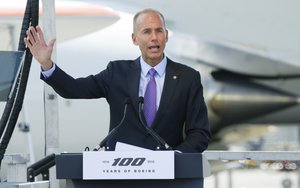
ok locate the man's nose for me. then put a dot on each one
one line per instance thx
(154, 36)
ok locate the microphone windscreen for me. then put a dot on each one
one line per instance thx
(141, 99)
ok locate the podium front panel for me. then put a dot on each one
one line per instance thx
(188, 173)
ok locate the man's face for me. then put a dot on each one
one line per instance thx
(151, 37)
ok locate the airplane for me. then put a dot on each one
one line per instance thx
(246, 80)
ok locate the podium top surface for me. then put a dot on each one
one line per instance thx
(187, 165)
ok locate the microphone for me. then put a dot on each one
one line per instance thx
(114, 130)
(156, 137)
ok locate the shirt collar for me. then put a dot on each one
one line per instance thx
(160, 67)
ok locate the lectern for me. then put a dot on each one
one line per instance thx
(190, 170)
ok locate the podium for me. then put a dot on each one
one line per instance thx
(190, 170)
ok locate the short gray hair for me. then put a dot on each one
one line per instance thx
(148, 10)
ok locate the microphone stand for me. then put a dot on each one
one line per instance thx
(156, 137)
(114, 130)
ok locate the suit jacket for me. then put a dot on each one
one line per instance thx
(181, 119)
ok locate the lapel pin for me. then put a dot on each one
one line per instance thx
(174, 77)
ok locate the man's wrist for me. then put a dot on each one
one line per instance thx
(49, 72)
(47, 66)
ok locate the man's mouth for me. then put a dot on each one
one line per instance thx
(154, 47)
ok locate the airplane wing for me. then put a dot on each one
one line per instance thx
(73, 19)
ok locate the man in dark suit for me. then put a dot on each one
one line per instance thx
(174, 108)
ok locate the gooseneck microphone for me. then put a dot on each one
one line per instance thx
(157, 138)
(114, 130)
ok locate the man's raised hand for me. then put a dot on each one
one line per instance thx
(38, 47)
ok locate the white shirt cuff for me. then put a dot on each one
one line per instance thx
(49, 72)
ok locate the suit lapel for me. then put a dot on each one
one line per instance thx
(170, 84)
(133, 80)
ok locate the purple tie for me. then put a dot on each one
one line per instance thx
(150, 99)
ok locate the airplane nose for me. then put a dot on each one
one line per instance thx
(239, 100)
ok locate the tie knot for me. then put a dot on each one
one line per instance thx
(152, 72)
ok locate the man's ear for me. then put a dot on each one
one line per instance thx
(133, 37)
(167, 35)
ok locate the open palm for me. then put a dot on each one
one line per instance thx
(38, 47)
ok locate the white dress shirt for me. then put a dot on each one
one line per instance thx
(159, 78)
